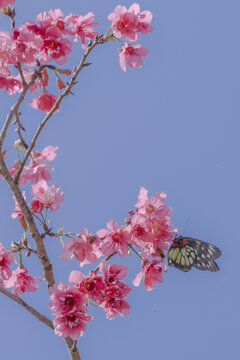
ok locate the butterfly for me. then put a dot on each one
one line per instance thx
(186, 252)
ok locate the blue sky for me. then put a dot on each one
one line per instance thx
(171, 126)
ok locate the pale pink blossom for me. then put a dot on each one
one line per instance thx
(113, 272)
(82, 27)
(139, 230)
(80, 249)
(37, 169)
(44, 102)
(71, 324)
(50, 196)
(5, 3)
(115, 239)
(54, 18)
(21, 282)
(26, 45)
(133, 55)
(127, 23)
(113, 307)
(6, 259)
(151, 272)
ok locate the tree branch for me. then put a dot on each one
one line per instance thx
(26, 306)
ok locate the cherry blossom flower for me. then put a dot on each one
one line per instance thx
(69, 309)
(139, 230)
(80, 249)
(66, 299)
(44, 102)
(82, 27)
(116, 305)
(115, 240)
(18, 213)
(50, 196)
(5, 3)
(113, 273)
(92, 286)
(21, 282)
(38, 169)
(127, 23)
(152, 273)
(26, 45)
(133, 55)
(71, 324)
(6, 259)
(37, 206)
(54, 18)
(85, 248)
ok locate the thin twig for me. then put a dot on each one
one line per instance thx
(29, 308)
(106, 259)
(18, 130)
(81, 65)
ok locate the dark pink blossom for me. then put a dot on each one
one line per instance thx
(44, 102)
(37, 206)
(91, 286)
(21, 282)
(50, 196)
(151, 272)
(133, 55)
(6, 259)
(66, 299)
(71, 324)
(115, 239)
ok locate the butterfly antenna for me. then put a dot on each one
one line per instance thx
(185, 226)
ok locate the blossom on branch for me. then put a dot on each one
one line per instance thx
(4, 3)
(21, 282)
(115, 239)
(133, 55)
(44, 102)
(6, 259)
(152, 273)
(49, 196)
(126, 23)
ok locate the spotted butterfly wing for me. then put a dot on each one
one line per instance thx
(185, 253)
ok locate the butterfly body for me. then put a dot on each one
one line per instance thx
(186, 252)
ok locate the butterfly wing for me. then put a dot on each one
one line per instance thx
(181, 257)
(204, 250)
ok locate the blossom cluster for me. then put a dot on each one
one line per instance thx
(128, 23)
(148, 232)
(37, 172)
(47, 40)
